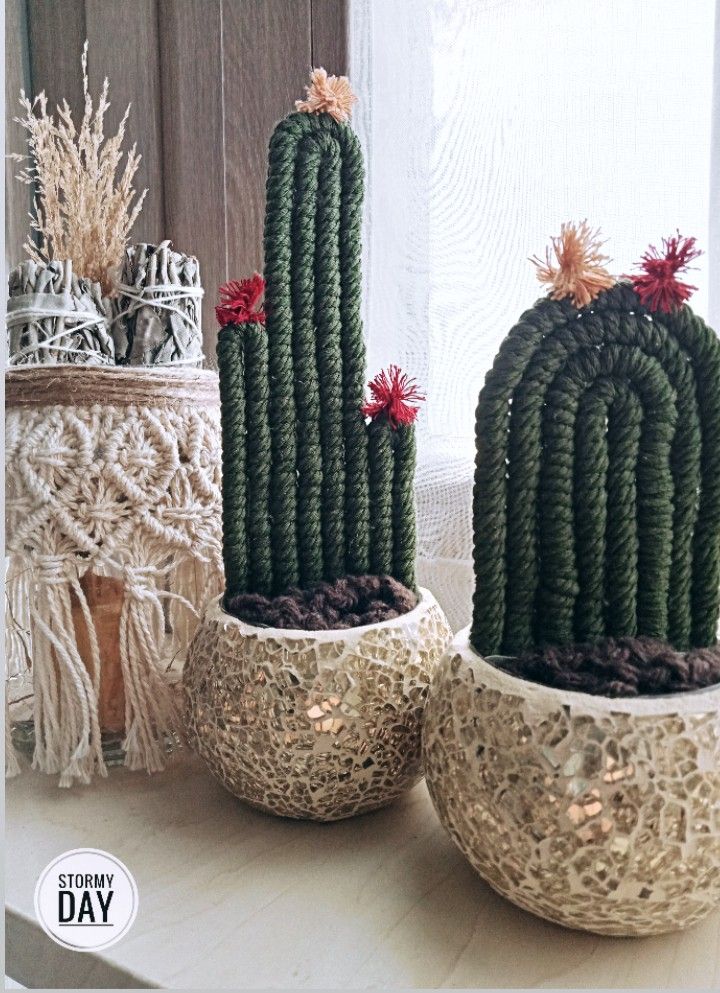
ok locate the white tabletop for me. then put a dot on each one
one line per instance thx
(231, 898)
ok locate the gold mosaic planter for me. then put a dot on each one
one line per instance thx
(600, 814)
(313, 724)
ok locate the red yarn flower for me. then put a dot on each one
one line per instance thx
(658, 287)
(240, 301)
(393, 394)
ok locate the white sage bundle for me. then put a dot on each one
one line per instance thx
(158, 308)
(56, 318)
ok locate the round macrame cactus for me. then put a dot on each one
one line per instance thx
(605, 518)
(596, 518)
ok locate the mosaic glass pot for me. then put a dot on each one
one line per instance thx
(600, 814)
(596, 516)
(313, 724)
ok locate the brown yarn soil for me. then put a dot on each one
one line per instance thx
(617, 667)
(348, 602)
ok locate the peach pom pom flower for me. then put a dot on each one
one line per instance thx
(328, 95)
(578, 271)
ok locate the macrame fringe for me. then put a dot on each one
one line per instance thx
(17, 619)
(65, 696)
(190, 581)
(12, 766)
(17, 650)
(157, 620)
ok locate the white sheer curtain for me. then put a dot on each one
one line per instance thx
(486, 124)
(714, 233)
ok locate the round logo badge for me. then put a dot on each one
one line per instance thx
(86, 899)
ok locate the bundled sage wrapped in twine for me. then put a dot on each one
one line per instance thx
(157, 311)
(54, 317)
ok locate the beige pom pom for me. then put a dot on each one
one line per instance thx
(579, 272)
(328, 95)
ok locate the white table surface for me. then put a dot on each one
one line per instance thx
(231, 898)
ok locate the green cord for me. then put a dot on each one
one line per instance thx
(231, 362)
(622, 448)
(329, 356)
(381, 497)
(591, 508)
(307, 386)
(597, 486)
(280, 328)
(258, 448)
(403, 506)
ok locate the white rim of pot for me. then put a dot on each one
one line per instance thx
(214, 612)
(690, 701)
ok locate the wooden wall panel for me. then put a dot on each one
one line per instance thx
(266, 49)
(329, 40)
(124, 46)
(193, 141)
(56, 31)
(208, 80)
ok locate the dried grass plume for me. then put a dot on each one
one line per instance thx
(328, 95)
(82, 210)
(578, 271)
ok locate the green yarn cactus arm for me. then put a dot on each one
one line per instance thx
(311, 490)
(242, 351)
(596, 505)
(231, 366)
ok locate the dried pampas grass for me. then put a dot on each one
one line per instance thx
(82, 210)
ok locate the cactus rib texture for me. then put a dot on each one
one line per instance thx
(597, 488)
(231, 366)
(311, 492)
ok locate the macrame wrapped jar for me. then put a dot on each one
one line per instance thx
(113, 537)
(596, 513)
(307, 723)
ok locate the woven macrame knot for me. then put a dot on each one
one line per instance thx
(140, 581)
(54, 570)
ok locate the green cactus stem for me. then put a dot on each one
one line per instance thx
(231, 365)
(381, 498)
(403, 506)
(257, 461)
(311, 490)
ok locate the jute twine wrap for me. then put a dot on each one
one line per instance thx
(597, 487)
(115, 472)
(311, 491)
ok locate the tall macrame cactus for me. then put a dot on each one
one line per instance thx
(597, 488)
(311, 491)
